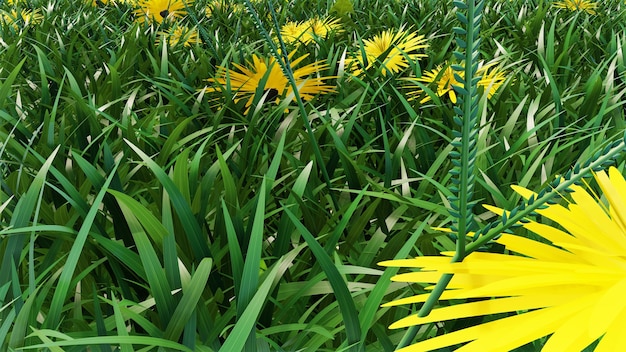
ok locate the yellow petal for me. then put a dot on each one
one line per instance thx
(614, 339)
(510, 333)
(452, 96)
(535, 249)
(495, 335)
(549, 233)
(491, 306)
(571, 336)
(418, 262)
(608, 308)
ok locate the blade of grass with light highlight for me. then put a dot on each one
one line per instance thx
(342, 293)
(196, 237)
(20, 218)
(250, 275)
(191, 297)
(244, 327)
(60, 294)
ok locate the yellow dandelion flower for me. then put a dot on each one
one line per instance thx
(306, 32)
(292, 32)
(491, 79)
(22, 18)
(569, 286)
(157, 11)
(180, 34)
(390, 51)
(444, 79)
(578, 5)
(322, 27)
(224, 6)
(98, 3)
(245, 80)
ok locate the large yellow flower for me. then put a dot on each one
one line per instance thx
(569, 285)
(245, 80)
(578, 5)
(491, 79)
(390, 51)
(157, 11)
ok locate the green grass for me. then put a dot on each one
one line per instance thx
(139, 213)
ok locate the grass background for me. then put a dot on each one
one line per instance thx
(140, 214)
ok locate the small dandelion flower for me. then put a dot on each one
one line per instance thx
(568, 286)
(308, 31)
(322, 27)
(390, 51)
(100, 3)
(224, 6)
(157, 11)
(292, 32)
(22, 18)
(491, 79)
(578, 5)
(444, 77)
(180, 34)
(265, 73)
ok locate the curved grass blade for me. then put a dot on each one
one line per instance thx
(237, 338)
(21, 217)
(196, 237)
(63, 286)
(187, 305)
(344, 298)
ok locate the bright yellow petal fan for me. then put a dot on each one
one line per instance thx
(569, 287)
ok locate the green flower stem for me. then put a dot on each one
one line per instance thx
(466, 119)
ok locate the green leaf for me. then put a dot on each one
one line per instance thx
(192, 229)
(63, 286)
(237, 338)
(342, 294)
(191, 296)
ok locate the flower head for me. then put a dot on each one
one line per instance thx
(157, 11)
(224, 6)
(180, 34)
(306, 32)
(98, 3)
(569, 285)
(578, 5)
(266, 74)
(491, 79)
(22, 18)
(390, 51)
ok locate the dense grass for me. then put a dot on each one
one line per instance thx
(138, 211)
